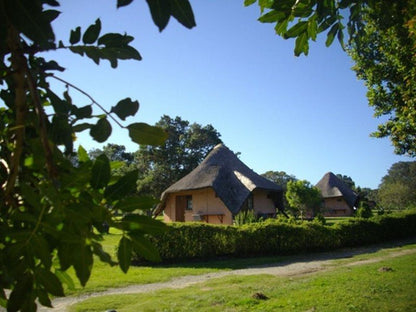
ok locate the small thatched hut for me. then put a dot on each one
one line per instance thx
(218, 189)
(339, 199)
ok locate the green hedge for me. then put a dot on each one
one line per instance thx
(183, 241)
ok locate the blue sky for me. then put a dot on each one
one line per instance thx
(303, 115)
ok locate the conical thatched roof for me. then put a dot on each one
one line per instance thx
(332, 186)
(230, 178)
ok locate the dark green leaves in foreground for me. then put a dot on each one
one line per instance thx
(123, 187)
(124, 253)
(101, 172)
(162, 10)
(304, 20)
(111, 46)
(101, 130)
(143, 133)
(125, 108)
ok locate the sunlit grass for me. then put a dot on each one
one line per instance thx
(348, 288)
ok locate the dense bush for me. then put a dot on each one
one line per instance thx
(273, 237)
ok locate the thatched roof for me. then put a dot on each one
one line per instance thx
(332, 186)
(230, 178)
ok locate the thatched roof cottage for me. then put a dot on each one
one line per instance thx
(339, 199)
(218, 189)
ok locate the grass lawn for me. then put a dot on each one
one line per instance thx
(348, 288)
(104, 276)
(335, 220)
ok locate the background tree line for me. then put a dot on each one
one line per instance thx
(187, 144)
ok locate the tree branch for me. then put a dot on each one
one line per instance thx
(17, 64)
(90, 97)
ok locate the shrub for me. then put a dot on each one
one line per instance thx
(184, 241)
(364, 211)
(245, 217)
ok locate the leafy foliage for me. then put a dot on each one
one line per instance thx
(303, 197)
(397, 188)
(53, 204)
(385, 57)
(304, 20)
(281, 178)
(277, 237)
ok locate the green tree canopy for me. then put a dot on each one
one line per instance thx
(385, 56)
(279, 177)
(397, 188)
(186, 146)
(303, 198)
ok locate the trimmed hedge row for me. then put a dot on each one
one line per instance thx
(183, 241)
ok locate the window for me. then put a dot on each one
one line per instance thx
(188, 202)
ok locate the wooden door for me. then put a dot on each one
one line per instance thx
(180, 208)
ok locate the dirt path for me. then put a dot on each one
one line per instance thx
(295, 267)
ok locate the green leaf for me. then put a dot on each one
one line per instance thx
(123, 187)
(301, 9)
(51, 15)
(145, 248)
(296, 30)
(82, 112)
(272, 17)
(340, 36)
(52, 65)
(65, 278)
(281, 27)
(129, 204)
(44, 298)
(182, 11)
(101, 131)
(49, 280)
(331, 35)
(65, 255)
(124, 254)
(143, 224)
(326, 23)
(21, 292)
(125, 108)
(30, 196)
(302, 44)
(160, 10)
(114, 40)
(92, 32)
(52, 3)
(82, 127)
(41, 249)
(143, 133)
(61, 132)
(28, 18)
(82, 154)
(82, 257)
(312, 27)
(112, 54)
(121, 3)
(249, 2)
(100, 172)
